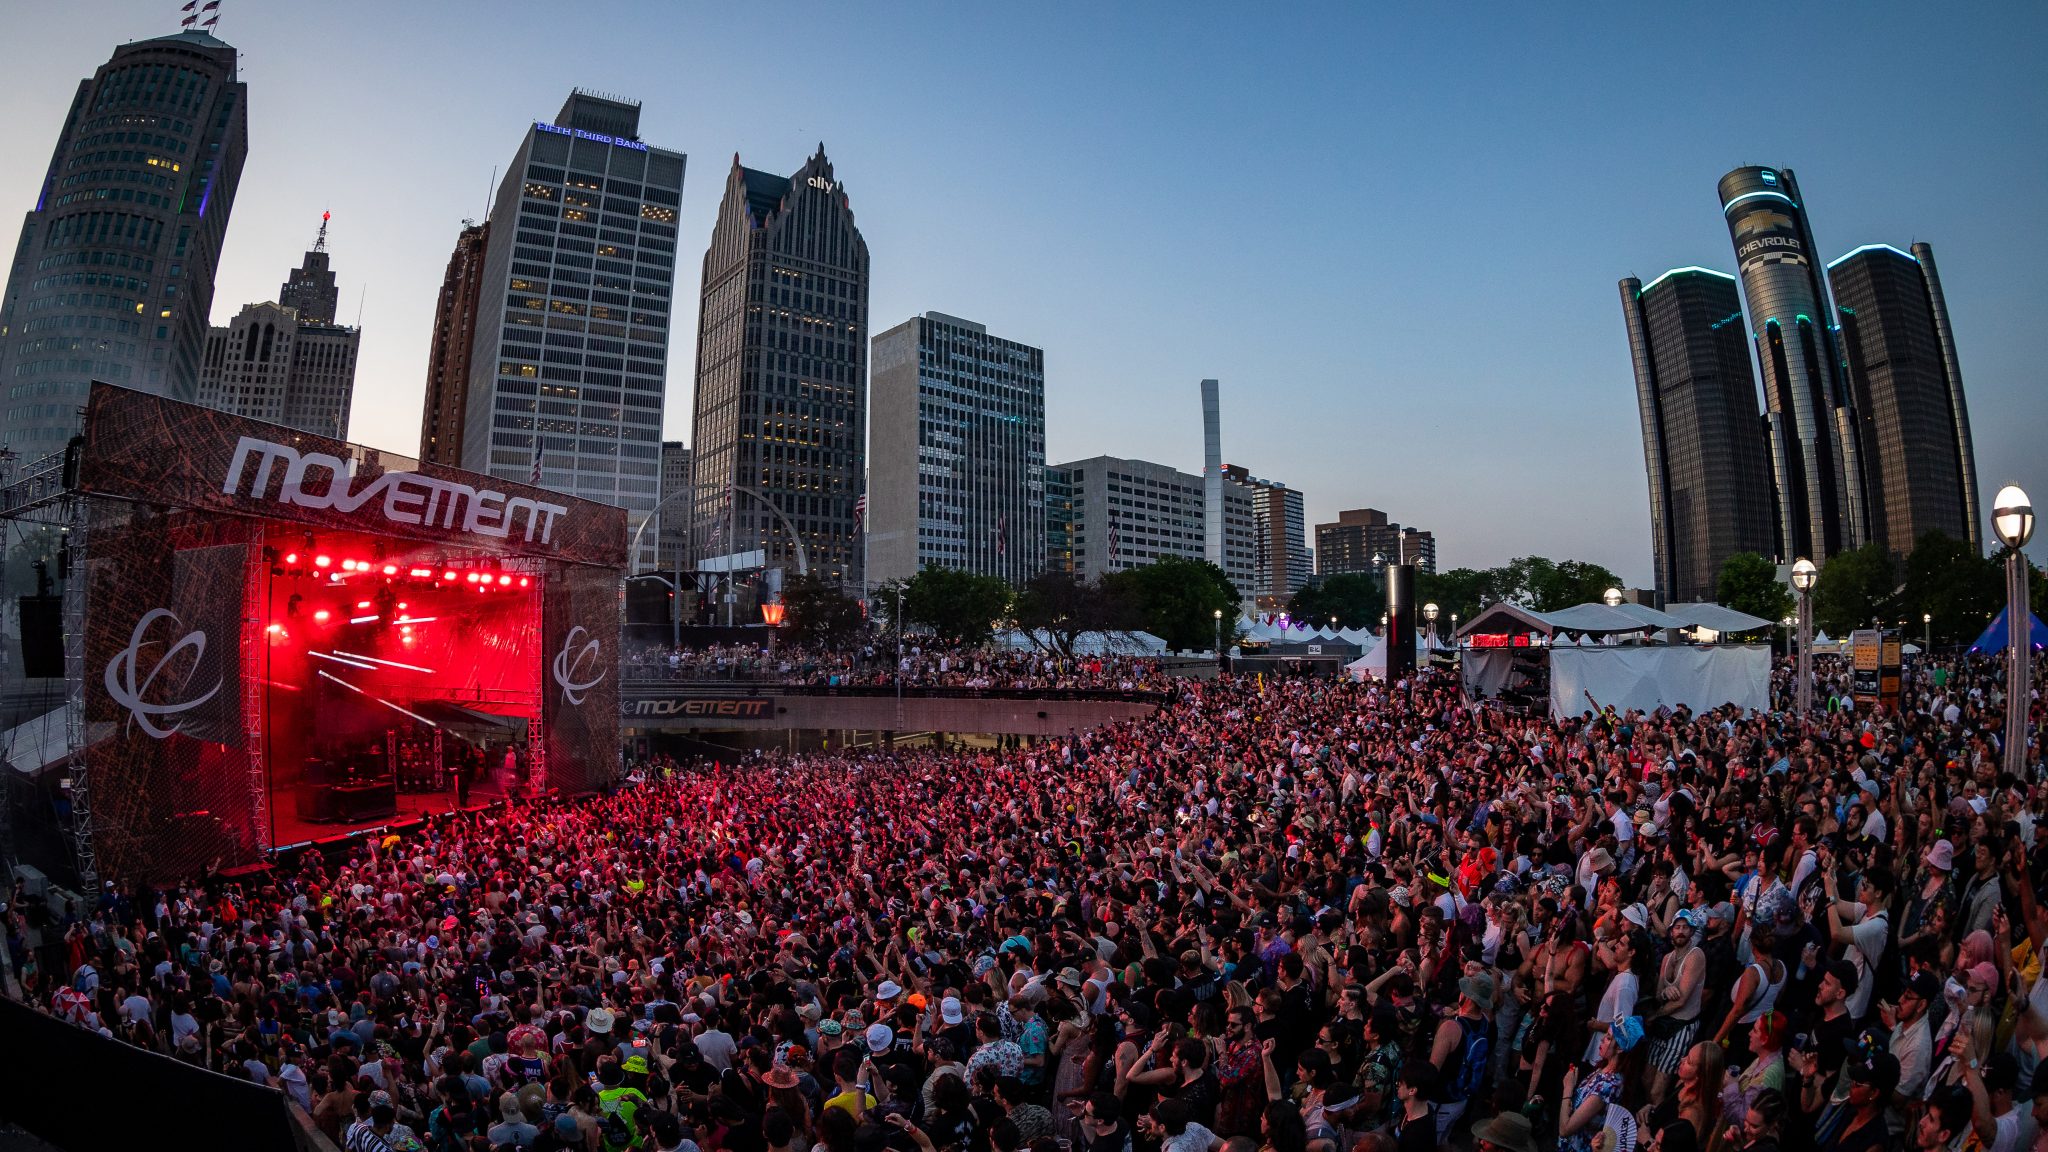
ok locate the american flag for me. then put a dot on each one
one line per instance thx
(1002, 534)
(539, 447)
(860, 512)
(1112, 537)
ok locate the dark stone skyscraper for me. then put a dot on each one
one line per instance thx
(1703, 442)
(448, 354)
(1920, 473)
(309, 289)
(1814, 437)
(113, 276)
(781, 406)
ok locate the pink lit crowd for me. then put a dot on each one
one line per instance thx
(1274, 916)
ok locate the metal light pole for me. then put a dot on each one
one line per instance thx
(1219, 633)
(1926, 633)
(2012, 519)
(1804, 576)
(1429, 613)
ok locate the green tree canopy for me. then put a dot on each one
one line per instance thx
(1749, 583)
(1856, 590)
(1176, 599)
(959, 607)
(1946, 579)
(1063, 607)
(1461, 592)
(820, 615)
(1354, 598)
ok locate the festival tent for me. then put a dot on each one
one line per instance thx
(34, 745)
(1371, 666)
(1087, 643)
(1659, 676)
(1716, 618)
(1996, 638)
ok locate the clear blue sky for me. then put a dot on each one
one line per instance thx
(1392, 231)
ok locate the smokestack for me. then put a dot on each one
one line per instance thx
(1212, 475)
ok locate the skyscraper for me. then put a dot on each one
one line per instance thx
(1129, 513)
(674, 517)
(1703, 438)
(571, 344)
(781, 406)
(956, 421)
(1059, 521)
(1814, 437)
(309, 289)
(113, 275)
(453, 340)
(1280, 558)
(1919, 471)
(270, 364)
(1351, 542)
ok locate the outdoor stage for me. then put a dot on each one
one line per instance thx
(288, 639)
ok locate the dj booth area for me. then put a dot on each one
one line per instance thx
(282, 639)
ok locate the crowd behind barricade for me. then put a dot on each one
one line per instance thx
(923, 664)
(1276, 916)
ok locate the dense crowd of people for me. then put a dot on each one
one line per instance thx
(922, 663)
(1275, 916)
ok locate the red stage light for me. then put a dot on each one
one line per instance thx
(291, 557)
(523, 581)
(362, 603)
(275, 629)
(322, 561)
(473, 577)
(505, 580)
(391, 569)
(447, 575)
(426, 573)
(322, 616)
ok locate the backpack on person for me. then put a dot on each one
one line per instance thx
(1476, 1068)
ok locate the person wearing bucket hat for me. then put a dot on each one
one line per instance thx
(1590, 1094)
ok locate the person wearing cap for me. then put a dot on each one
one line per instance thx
(1833, 1034)
(512, 1128)
(1856, 1122)
(1462, 1051)
(1912, 1035)
(1674, 1017)
(1862, 926)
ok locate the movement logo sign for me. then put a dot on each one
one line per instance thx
(572, 662)
(409, 497)
(750, 709)
(131, 687)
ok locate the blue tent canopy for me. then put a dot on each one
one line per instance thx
(1994, 637)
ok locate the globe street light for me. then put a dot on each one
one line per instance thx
(1926, 633)
(2012, 519)
(1612, 596)
(1804, 577)
(1429, 612)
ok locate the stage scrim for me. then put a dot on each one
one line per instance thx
(289, 637)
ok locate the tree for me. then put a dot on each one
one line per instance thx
(1177, 599)
(1461, 592)
(959, 607)
(1749, 583)
(820, 615)
(1547, 585)
(1062, 607)
(1354, 598)
(1856, 590)
(1946, 579)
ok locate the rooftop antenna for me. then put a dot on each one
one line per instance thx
(360, 297)
(320, 241)
(488, 190)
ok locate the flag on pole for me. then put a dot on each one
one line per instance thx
(539, 446)
(209, 6)
(860, 513)
(188, 21)
(189, 6)
(1002, 534)
(1112, 537)
(210, 21)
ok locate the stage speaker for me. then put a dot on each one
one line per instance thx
(42, 636)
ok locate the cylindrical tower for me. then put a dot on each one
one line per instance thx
(1809, 414)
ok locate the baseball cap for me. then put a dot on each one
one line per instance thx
(1924, 985)
(1880, 1070)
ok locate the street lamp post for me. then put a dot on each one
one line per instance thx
(1219, 632)
(2012, 519)
(1612, 597)
(1429, 613)
(1804, 576)
(1926, 634)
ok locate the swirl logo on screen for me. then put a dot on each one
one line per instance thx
(573, 661)
(130, 692)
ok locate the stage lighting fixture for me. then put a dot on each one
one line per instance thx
(504, 580)
(391, 569)
(323, 561)
(275, 629)
(362, 603)
(291, 558)
(322, 616)
(422, 573)
(523, 581)
(448, 576)
(370, 619)
(474, 577)
(348, 565)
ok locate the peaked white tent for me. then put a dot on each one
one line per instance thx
(1371, 666)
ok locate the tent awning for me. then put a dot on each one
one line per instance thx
(1716, 617)
(36, 744)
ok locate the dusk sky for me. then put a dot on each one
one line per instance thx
(1392, 231)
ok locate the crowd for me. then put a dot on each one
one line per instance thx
(1275, 916)
(922, 664)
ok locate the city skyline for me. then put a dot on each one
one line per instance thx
(1441, 309)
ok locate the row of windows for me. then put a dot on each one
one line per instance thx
(84, 300)
(120, 195)
(123, 135)
(97, 369)
(129, 260)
